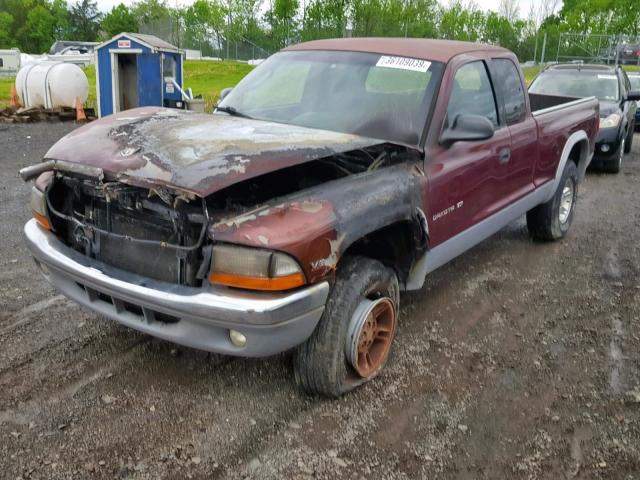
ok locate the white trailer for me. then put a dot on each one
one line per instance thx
(9, 62)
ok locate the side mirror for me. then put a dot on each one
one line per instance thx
(633, 96)
(467, 128)
(224, 92)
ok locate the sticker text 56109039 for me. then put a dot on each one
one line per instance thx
(403, 63)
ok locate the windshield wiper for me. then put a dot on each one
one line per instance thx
(232, 111)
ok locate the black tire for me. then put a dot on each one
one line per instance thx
(629, 143)
(544, 221)
(615, 164)
(320, 364)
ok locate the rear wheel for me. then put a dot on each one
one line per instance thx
(552, 220)
(352, 341)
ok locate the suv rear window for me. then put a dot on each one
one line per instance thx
(602, 84)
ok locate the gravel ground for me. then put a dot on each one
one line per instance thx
(517, 360)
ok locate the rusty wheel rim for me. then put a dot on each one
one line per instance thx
(374, 327)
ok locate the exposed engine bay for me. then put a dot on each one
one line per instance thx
(161, 233)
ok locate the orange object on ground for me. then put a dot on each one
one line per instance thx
(80, 116)
(15, 101)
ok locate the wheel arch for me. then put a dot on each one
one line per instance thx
(397, 245)
(576, 149)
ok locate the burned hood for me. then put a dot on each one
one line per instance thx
(199, 153)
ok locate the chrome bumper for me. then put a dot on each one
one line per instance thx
(195, 317)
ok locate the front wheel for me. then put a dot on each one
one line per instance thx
(352, 341)
(552, 220)
(615, 164)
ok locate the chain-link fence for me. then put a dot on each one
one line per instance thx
(594, 48)
(209, 44)
(555, 46)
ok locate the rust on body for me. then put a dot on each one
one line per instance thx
(319, 224)
(198, 153)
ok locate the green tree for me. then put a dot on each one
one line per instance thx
(462, 22)
(60, 11)
(6, 22)
(84, 19)
(325, 19)
(119, 19)
(37, 33)
(420, 18)
(149, 11)
(204, 22)
(282, 18)
(499, 30)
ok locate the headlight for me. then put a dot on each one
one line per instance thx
(39, 208)
(611, 121)
(254, 268)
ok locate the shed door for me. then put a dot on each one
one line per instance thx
(149, 80)
(126, 81)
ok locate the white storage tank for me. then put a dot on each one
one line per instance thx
(51, 85)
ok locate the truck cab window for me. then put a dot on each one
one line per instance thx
(472, 94)
(514, 103)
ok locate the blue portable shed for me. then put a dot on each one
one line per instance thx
(136, 70)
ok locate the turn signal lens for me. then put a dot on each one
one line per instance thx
(39, 209)
(42, 220)
(257, 283)
(254, 269)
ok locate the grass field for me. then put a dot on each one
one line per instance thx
(205, 78)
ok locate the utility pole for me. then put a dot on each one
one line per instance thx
(406, 19)
(544, 47)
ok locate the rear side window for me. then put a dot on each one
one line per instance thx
(472, 94)
(626, 86)
(509, 78)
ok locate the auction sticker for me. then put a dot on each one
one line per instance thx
(404, 63)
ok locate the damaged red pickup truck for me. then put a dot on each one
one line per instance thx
(335, 175)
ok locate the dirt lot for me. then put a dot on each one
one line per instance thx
(517, 360)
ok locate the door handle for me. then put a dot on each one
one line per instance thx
(505, 155)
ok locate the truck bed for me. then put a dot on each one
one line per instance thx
(541, 103)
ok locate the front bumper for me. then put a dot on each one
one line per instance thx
(611, 137)
(195, 317)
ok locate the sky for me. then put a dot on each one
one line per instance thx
(525, 5)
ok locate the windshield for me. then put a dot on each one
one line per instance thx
(635, 82)
(577, 83)
(366, 94)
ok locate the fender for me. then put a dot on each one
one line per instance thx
(317, 225)
(583, 162)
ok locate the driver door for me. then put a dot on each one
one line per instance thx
(465, 177)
